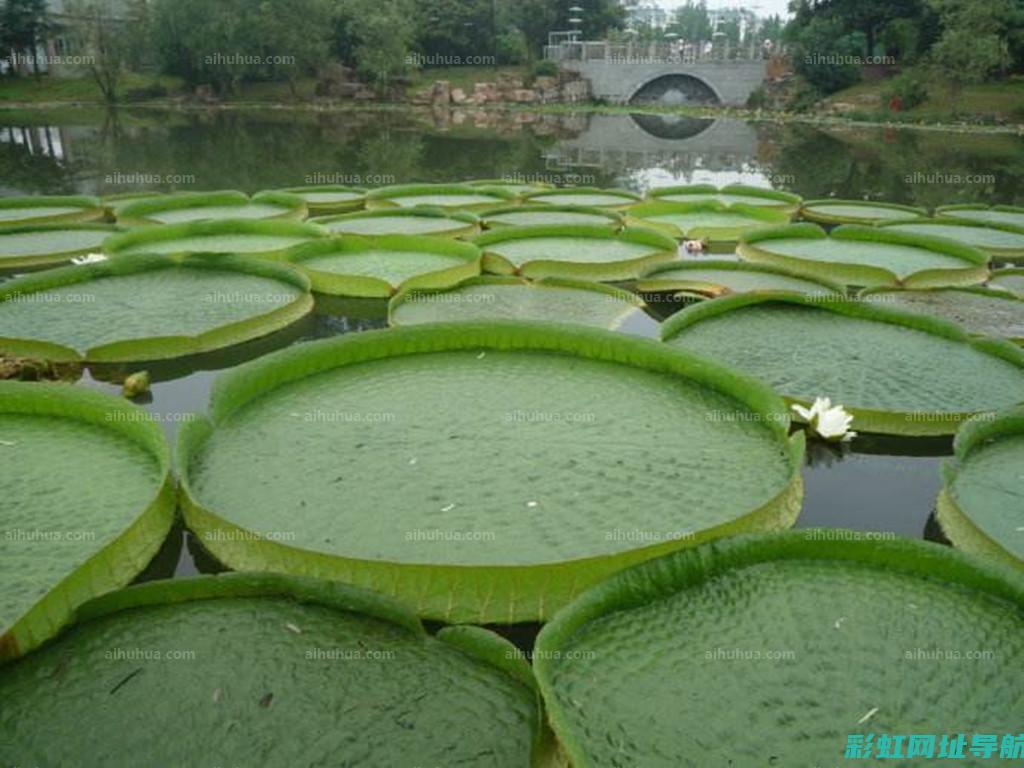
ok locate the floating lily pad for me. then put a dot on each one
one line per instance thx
(1000, 241)
(450, 196)
(587, 197)
(325, 200)
(866, 256)
(213, 206)
(549, 215)
(1011, 280)
(44, 244)
(856, 212)
(514, 188)
(23, 211)
(87, 502)
(978, 310)
(585, 252)
(396, 221)
(996, 214)
(729, 195)
(981, 508)
(490, 297)
(117, 202)
(718, 278)
(146, 307)
(378, 267)
(896, 372)
(255, 238)
(727, 649)
(269, 670)
(719, 224)
(513, 460)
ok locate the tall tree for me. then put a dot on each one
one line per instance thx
(24, 25)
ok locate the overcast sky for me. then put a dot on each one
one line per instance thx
(761, 7)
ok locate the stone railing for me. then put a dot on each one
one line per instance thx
(582, 52)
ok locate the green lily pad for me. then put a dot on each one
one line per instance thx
(1000, 241)
(866, 256)
(490, 297)
(326, 200)
(514, 188)
(269, 670)
(24, 211)
(44, 244)
(718, 278)
(728, 195)
(380, 266)
(449, 196)
(401, 221)
(549, 215)
(87, 502)
(978, 310)
(775, 649)
(213, 206)
(305, 448)
(719, 224)
(587, 197)
(980, 507)
(136, 308)
(1011, 280)
(115, 203)
(255, 238)
(856, 212)
(896, 372)
(584, 252)
(996, 214)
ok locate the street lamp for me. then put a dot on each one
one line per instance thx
(575, 20)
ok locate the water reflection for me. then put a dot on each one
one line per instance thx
(115, 152)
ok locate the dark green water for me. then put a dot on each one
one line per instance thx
(887, 485)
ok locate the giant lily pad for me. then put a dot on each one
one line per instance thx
(513, 461)
(1002, 242)
(378, 267)
(402, 221)
(450, 196)
(213, 206)
(490, 297)
(772, 650)
(718, 224)
(325, 200)
(981, 508)
(22, 211)
(729, 195)
(136, 308)
(43, 244)
(549, 215)
(896, 372)
(587, 197)
(979, 310)
(87, 502)
(866, 256)
(256, 238)
(718, 278)
(585, 252)
(1011, 280)
(831, 211)
(269, 670)
(996, 214)
(517, 187)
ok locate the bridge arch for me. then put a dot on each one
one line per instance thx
(674, 87)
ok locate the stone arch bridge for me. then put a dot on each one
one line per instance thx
(659, 74)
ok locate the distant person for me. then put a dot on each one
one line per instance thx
(767, 47)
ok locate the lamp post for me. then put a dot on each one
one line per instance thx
(576, 20)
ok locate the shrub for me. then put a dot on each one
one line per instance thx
(910, 87)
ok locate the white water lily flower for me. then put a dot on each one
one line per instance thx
(89, 258)
(828, 422)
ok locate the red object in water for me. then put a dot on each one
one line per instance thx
(895, 104)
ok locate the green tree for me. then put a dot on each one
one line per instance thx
(975, 42)
(825, 56)
(24, 25)
(692, 22)
(376, 37)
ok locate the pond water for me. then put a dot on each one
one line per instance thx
(872, 484)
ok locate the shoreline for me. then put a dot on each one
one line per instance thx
(713, 113)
